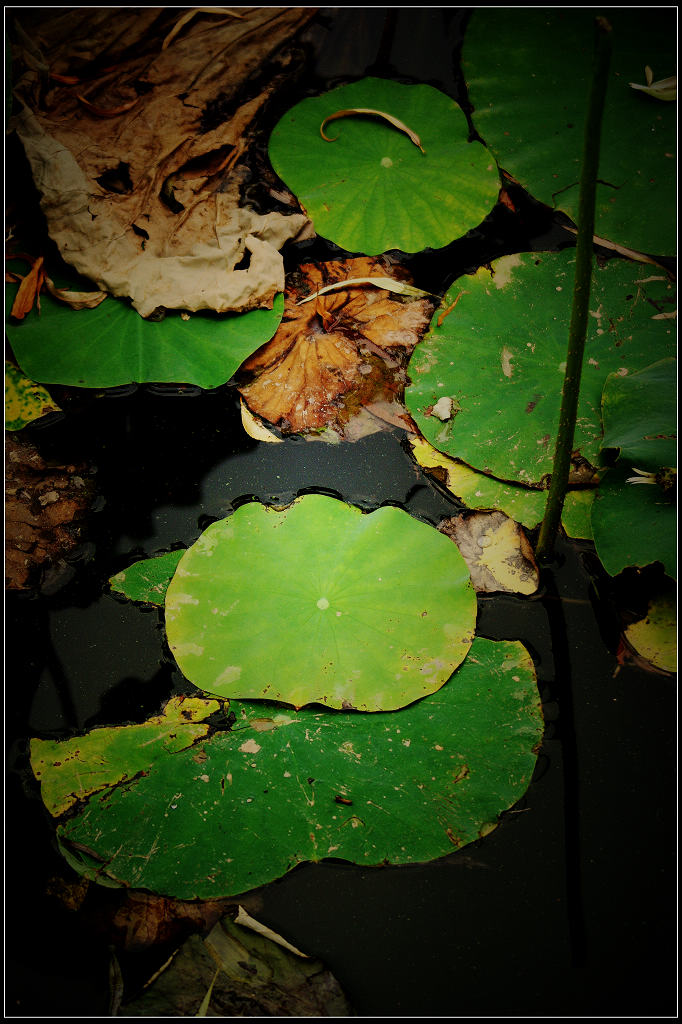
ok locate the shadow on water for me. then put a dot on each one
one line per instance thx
(565, 909)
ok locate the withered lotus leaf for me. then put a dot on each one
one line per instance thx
(334, 355)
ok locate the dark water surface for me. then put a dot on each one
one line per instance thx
(568, 907)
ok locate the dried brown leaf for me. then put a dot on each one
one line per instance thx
(28, 290)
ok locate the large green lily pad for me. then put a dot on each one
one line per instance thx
(113, 345)
(242, 807)
(486, 384)
(321, 602)
(373, 189)
(528, 72)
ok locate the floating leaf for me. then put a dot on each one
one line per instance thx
(245, 806)
(655, 636)
(112, 345)
(528, 73)
(337, 354)
(25, 401)
(321, 603)
(500, 357)
(497, 551)
(372, 192)
(640, 415)
(633, 525)
(148, 579)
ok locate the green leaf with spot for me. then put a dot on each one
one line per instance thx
(72, 770)
(113, 345)
(245, 806)
(147, 580)
(323, 603)
(25, 401)
(498, 359)
(528, 72)
(373, 189)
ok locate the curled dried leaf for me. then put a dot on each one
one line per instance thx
(365, 111)
(28, 290)
(389, 284)
(77, 300)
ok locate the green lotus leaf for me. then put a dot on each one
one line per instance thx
(486, 385)
(148, 579)
(528, 73)
(25, 401)
(243, 807)
(633, 523)
(639, 412)
(321, 602)
(373, 189)
(113, 345)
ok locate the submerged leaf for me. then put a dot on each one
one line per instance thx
(317, 603)
(316, 785)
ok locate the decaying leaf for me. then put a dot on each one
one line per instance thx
(45, 510)
(254, 427)
(101, 182)
(664, 89)
(654, 637)
(367, 112)
(336, 354)
(181, 22)
(25, 401)
(240, 971)
(77, 300)
(388, 283)
(496, 550)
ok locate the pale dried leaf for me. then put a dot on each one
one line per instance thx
(181, 22)
(387, 283)
(367, 112)
(77, 300)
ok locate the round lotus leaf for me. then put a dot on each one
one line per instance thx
(373, 189)
(528, 73)
(486, 384)
(112, 344)
(323, 603)
(242, 807)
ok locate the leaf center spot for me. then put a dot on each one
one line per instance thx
(386, 161)
(323, 603)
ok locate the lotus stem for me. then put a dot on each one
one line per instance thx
(581, 294)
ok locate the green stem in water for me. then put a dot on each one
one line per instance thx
(581, 294)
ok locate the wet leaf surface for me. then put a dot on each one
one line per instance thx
(633, 524)
(640, 415)
(242, 807)
(336, 354)
(373, 630)
(654, 638)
